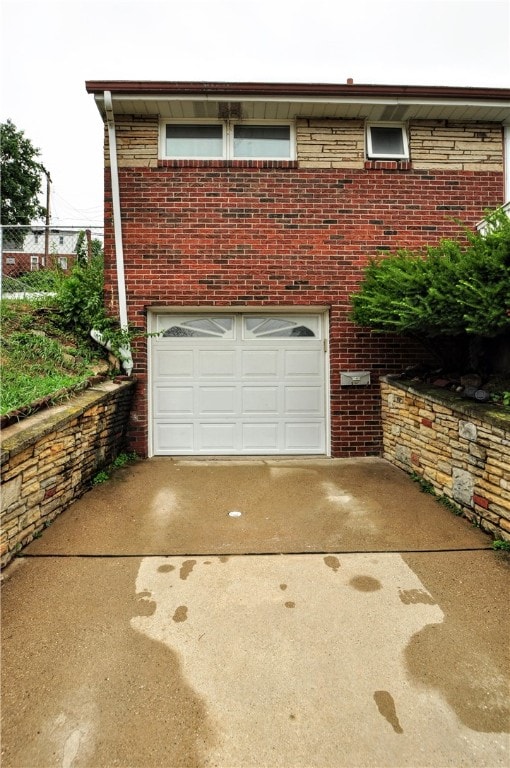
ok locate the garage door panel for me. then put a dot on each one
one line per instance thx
(300, 362)
(217, 437)
(260, 437)
(216, 400)
(174, 400)
(308, 401)
(260, 364)
(303, 436)
(175, 438)
(260, 400)
(217, 363)
(173, 363)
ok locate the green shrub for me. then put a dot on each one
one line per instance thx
(81, 305)
(451, 290)
(500, 544)
(80, 297)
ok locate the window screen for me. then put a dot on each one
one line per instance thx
(194, 140)
(262, 141)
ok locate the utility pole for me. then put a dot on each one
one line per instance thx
(47, 223)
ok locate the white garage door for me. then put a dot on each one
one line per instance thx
(238, 384)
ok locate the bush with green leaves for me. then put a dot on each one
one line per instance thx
(452, 289)
(81, 303)
(80, 297)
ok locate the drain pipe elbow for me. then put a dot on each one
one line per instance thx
(124, 352)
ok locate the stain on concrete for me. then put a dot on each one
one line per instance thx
(224, 559)
(365, 583)
(71, 747)
(332, 562)
(166, 568)
(283, 587)
(466, 657)
(290, 604)
(386, 706)
(144, 606)
(186, 569)
(112, 679)
(413, 596)
(181, 613)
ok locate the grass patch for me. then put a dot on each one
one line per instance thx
(501, 545)
(37, 281)
(38, 358)
(122, 460)
(427, 487)
(20, 390)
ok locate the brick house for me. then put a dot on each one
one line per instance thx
(30, 249)
(238, 221)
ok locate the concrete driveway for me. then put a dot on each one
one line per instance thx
(343, 619)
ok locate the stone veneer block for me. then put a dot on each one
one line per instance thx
(49, 459)
(465, 453)
(462, 487)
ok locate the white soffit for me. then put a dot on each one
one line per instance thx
(398, 109)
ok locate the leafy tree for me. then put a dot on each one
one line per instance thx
(82, 248)
(454, 290)
(21, 178)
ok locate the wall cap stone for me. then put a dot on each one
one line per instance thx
(22, 435)
(480, 411)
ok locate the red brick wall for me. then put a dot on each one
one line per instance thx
(274, 234)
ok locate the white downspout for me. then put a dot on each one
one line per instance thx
(127, 362)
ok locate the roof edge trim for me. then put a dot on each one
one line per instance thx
(325, 90)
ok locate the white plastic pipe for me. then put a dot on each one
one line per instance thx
(117, 224)
(123, 352)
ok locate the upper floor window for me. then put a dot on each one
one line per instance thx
(261, 141)
(190, 140)
(227, 140)
(387, 141)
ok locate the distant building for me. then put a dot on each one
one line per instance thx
(29, 251)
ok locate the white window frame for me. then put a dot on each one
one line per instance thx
(228, 138)
(202, 121)
(372, 155)
(292, 139)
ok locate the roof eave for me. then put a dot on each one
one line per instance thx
(323, 90)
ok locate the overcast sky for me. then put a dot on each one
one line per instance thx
(50, 47)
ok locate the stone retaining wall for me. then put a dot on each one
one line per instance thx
(461, 448)
(49, 459)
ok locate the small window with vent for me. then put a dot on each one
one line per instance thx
(387, 141)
